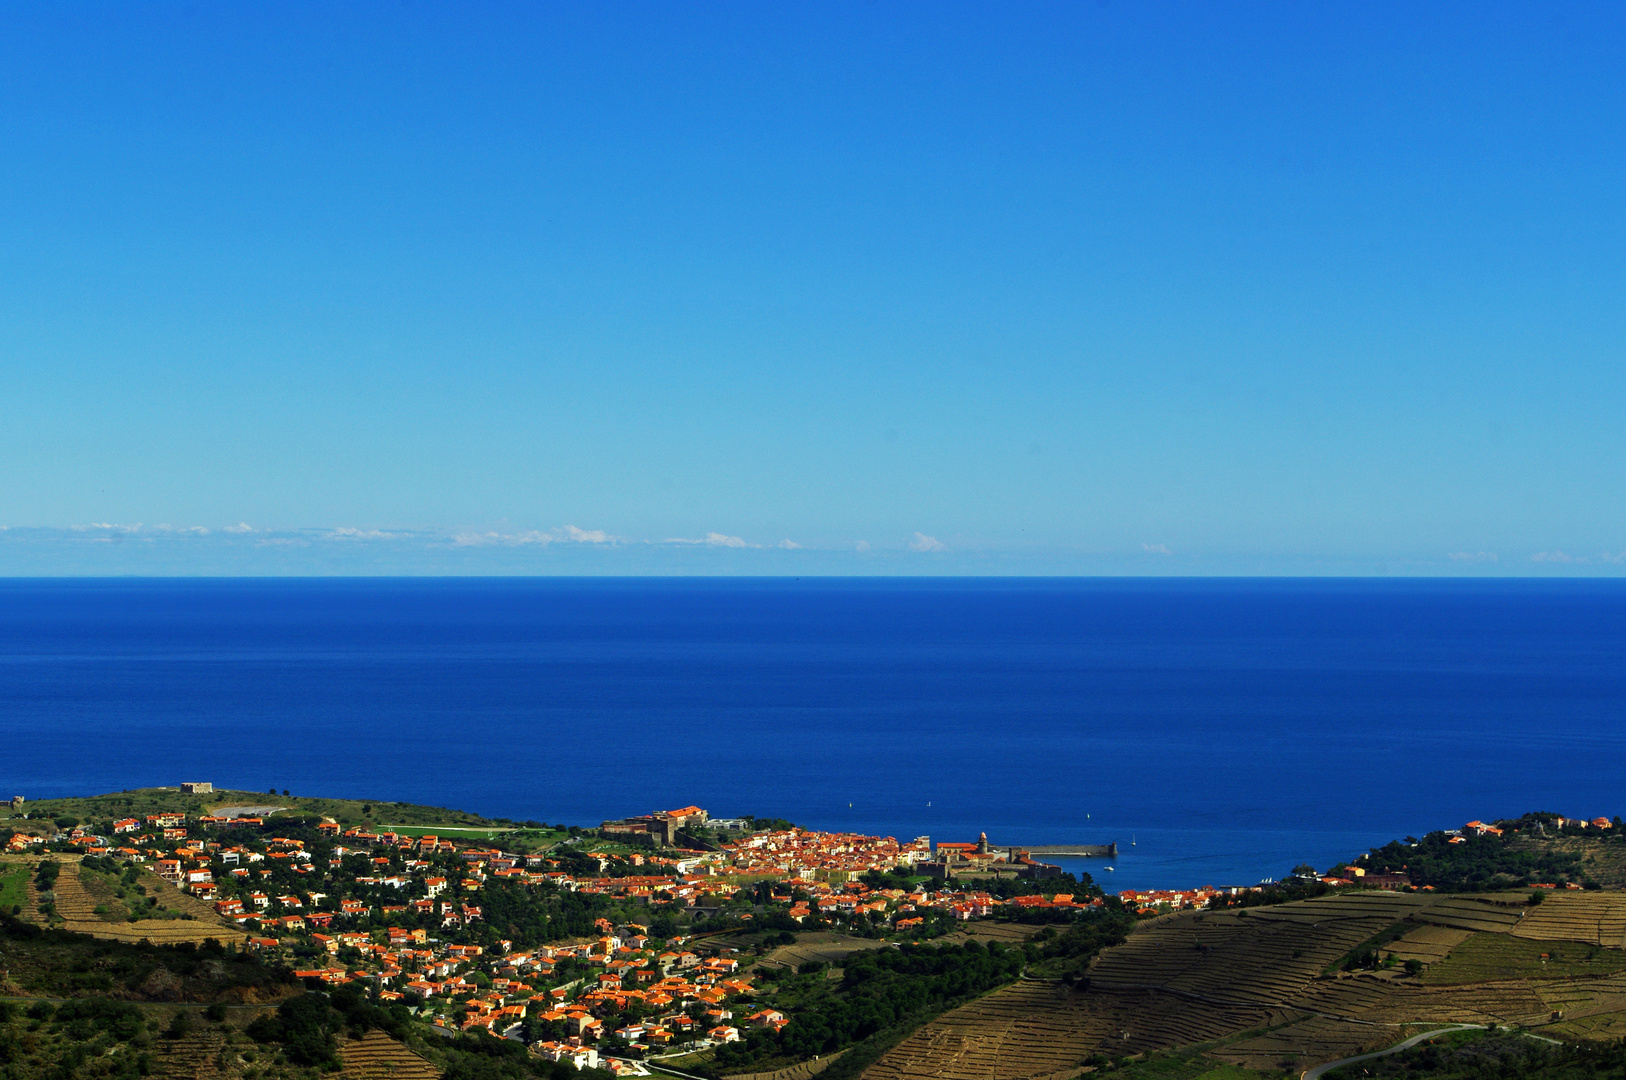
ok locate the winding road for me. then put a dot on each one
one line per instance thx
(1315, 1073)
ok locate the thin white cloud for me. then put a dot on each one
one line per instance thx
(1578, 560)
(107, 529)
(347, 533)
(538, 537)
(1473, 556)
(487, 539)
(103, 526)
(711, 539)
(1156, 549)
(922, 542)
(240, 527)
(587, 536)
(863, 545)
(790, 545)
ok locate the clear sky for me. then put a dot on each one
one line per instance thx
(1002, 288)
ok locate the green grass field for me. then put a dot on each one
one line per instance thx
(13, 887)
(142, 801)
(532, 837)
(1498, 956)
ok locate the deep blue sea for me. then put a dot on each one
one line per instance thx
(1229, 728)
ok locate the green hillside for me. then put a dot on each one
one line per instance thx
(139, 802)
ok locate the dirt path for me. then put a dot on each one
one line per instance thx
(1315, 1073)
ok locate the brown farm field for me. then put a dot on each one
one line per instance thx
(1264, 988)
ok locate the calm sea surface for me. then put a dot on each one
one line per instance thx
(1231, 729)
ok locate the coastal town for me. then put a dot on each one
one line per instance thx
(639, 941)
(607, 947)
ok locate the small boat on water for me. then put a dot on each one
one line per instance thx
(1109, 868)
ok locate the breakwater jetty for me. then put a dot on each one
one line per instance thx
(1074, 851)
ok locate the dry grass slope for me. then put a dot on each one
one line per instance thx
(822, 947)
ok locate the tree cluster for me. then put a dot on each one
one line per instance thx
(1478, 864)
(1507, 1056)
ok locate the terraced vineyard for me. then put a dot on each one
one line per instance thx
(1597, 918)
(805, 1070)
(202, 1055)
(1487, 957)
(1028, 1029)
(376, 1056)
(74, 901)
(31, 896)
(1595, 1009)
(1261, 957)
(986, 930)
(1473, 913)
(1263, 988)
(77, 906)
(1392, 1000)
(1426, 944)
(1306, 1042)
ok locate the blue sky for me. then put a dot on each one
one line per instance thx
(1077, 288)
